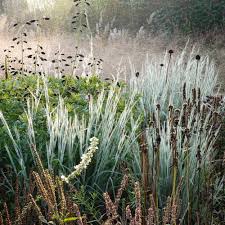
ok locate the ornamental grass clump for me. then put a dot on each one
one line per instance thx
(179, 152)
(162, 79)
(85, 160)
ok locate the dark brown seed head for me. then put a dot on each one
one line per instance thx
(171, 51)
(198, 57)
(158, 106)
(170, 107)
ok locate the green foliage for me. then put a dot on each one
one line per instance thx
(14, 94)
(87, 202)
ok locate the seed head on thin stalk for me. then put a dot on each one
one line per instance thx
(7, 215)
(170, 56)
(138, 211)
(37, 209)
(171, 115)
(128, 213)
(110, 207)
(150, 219)
(198, 57)
(25, 214)
(167, 211)
(120, 191)
(194, 96)
(1, 219)
(161, 68)
(184, 92)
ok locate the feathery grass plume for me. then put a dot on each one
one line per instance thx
(50, 186)
(155, 210)
(120, 191)
(25, 213)
(47, 187)
(174, 213)
(7, 215)
(44, 193)
(138, 210)
(150, 219)
(37, 209)
(85, 160)
(63, 203)
(167, 212)
(52, 192)
(1, 219)
(111, 209)
(37, 159)
(129, 216)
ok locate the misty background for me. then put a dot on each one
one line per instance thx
(120, 30)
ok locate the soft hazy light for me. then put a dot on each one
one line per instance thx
(39, 4)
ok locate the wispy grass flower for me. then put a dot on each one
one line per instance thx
(85, 160)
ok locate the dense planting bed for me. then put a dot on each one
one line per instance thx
(66, 144)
